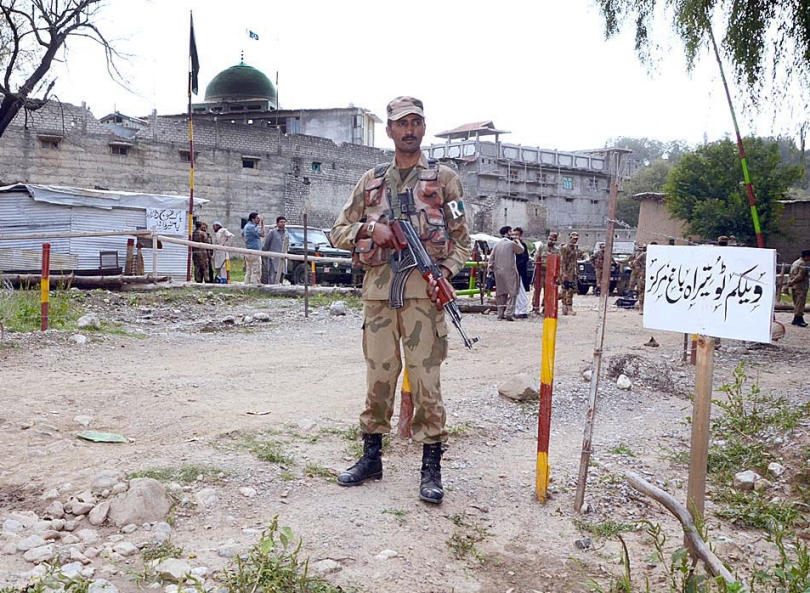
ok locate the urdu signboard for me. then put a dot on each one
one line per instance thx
(723, 292)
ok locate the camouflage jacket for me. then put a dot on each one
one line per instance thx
(543, 253)
(441, 223)
(798, 275)
(568, 261)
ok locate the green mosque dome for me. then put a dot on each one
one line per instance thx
(241, 83)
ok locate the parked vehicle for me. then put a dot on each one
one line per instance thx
(586, 276)
(318, 246)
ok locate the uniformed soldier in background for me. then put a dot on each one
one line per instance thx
(540, 267)
(798, 282)
(568, 273)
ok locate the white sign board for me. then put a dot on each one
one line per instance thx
(168, 221)
(723, 292)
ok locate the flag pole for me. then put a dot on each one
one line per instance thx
(193, 69)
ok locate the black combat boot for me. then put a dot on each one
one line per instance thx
(430, 488)
(799, 321)
(368, 467)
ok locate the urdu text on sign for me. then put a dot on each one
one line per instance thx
(724, 292)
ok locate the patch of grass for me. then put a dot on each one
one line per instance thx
(267, 450)
(622, 449)
(274, 564)
(398, 514)
(52, 580)
(465, 537)
(605, 529)
(312, 469)
(754, 510)
(183, 474)
(321, 299)
(161, 552)
(350, 434)
(459, 430)
(286, 476)
(21, 310)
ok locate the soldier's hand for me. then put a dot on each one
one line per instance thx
(382, 235)
(433, 289)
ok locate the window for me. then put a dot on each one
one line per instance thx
(316, 167)
(594, 201)
(568, 182)
(593, 184)
(569, 200)
(185, 156)
(250, 162)
(119, 149)
(50, 142)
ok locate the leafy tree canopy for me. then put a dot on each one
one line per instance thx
(766, 41)
(33, 34)
(647, 150)
(706, 189)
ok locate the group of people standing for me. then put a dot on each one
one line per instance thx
(265, 270)
(210, 265)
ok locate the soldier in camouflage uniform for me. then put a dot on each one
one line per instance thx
(568, 273)
(798, 282)
(638, 279)
(419, 324)
(540, 262)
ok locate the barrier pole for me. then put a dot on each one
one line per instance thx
(228, 269)
(547, 375)
(45, 285)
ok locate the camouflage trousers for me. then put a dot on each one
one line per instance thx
(423, 333)
(799, 299)
(567, 295)
(641, 288)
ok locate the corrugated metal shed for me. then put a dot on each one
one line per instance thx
(28, 208)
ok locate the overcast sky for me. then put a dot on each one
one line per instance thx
(541, 70)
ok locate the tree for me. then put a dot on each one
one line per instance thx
(647, 150)
(765, 40)
(651, 178)
(705, 188)
(34, 34)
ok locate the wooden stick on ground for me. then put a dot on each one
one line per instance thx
(700, 548)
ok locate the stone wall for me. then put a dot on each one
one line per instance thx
(290, 173)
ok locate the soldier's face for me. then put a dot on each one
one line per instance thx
(407, 133)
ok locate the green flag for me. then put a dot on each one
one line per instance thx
(195, 62)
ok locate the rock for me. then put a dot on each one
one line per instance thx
(229, 320)
(172, 569)
(248, 492)
(338, 308)
(520, 388)
(79, 339)
(105, 479)
(55, 510)
(761, 485)
(587, 374)
(624, 382)
(125, 549)
(88, 536)
(99, 513)
(745, 480)
(12, 526)
(207, 498)
(89, 321)
(81, 504)
(51, 494)
(27, 518)
(102, 586)
(40, 555)
(326, 566)
(775, 469)
(228, 550)
(131, 528)
(30, 542)
(261, 317)
(146, 501)
(77, 556)
(584, 543)
(389, 553)
(161, 533)
(652, 343)
(72, 570)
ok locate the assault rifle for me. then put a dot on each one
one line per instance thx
(407, 239)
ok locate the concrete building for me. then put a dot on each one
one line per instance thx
(538, 189)
(250, 155)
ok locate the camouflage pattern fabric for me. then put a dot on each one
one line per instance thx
(597, 261)
(442, 226)
(798, 280)
(423, 333)
(639, 276)
(568, 273)
(200, 256)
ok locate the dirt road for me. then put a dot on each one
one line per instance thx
(189, 389)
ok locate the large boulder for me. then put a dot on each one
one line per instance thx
(519, 388)
(146, 501)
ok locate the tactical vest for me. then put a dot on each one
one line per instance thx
(427, 216)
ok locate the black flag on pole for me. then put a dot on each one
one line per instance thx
(195, 62)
